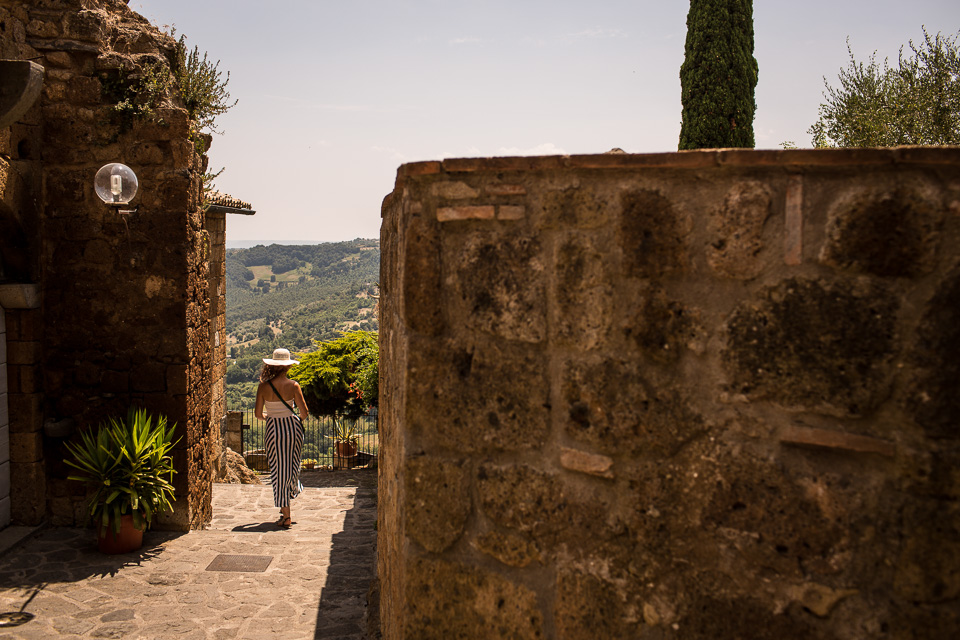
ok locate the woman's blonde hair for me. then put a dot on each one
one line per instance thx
(271, 371)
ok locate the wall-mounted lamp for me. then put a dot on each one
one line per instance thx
(116, 184)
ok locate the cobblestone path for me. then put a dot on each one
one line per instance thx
(57, 585)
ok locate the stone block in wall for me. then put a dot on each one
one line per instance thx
(176, 381)
(573, 206)
(806, 536)
(437, 501)
(736, 230)
(816, 344)
(662, 328)
(83, 90)
(86, 25)
(115, 381)
(506, 385)
(611, 405)
(584, 305)
(23, 378)
(149, 377)
(884, 231)
(589, 607)
(421, 278)
(26, 413)
(509, 547)
(5, 514)
(653, 231)
(28, 492)
(4, 439)
(22, 352)
(26, 447)
(498, 283)
(932, 397)
(544, 507)
(488, 605)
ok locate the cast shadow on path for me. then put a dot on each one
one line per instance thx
(343, 612)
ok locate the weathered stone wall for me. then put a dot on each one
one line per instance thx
(4, 427)
(216, 229)
(700, 395)
(125, 317)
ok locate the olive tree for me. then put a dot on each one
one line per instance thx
(915, 102)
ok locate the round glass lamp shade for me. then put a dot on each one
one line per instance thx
(116, 183)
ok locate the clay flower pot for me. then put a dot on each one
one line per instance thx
(346, 449)
(129, 539)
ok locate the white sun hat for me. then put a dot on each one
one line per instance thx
(281, 358)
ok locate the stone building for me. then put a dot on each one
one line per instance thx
(101, 310)
(700, 395)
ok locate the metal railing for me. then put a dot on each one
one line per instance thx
(319, 442)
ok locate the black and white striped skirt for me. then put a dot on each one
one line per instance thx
(284, 441)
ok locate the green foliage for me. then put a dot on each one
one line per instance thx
(129, 468)
(202, 87)
(917, 102)
(237, 274)
(330, 375)
(285, 263)
(137, 92)
(718, 76)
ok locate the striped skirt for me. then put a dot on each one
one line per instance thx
(284, 441)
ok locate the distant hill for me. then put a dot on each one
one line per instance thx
(246, 244)
(292, 296)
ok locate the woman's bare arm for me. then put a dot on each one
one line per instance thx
(258, 409)
(301, 403)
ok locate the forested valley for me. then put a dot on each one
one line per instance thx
(293, 296)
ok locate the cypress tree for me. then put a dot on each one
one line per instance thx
(718, 75)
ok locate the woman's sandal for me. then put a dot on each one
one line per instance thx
(284, 523)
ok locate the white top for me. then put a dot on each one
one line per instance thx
(276, 409)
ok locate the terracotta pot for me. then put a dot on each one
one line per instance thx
(346, 449)
(129, 539)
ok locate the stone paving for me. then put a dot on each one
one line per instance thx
(314, 587)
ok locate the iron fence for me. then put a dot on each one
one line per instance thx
(319, 442)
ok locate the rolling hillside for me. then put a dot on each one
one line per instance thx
(292, 296)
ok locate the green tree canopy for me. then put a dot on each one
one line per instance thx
(916, 102)
(341, 376)
(718, 76)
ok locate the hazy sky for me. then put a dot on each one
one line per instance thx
(334, 96)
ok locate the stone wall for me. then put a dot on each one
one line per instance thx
(125, 312)
(698, 395)
(4, 428)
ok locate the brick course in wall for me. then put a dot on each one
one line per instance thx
(693, 395)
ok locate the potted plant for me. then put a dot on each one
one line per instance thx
(309, 463)
(129, 469)
(345, 437)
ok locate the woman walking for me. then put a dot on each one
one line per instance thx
(276, 396)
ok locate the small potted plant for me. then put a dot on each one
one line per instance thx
(345, 437)
(129, 469)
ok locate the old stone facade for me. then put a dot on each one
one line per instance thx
(698, 395)
(120, 309)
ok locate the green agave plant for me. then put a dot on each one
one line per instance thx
(129, 467)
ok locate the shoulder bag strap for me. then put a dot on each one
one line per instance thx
(292, 410)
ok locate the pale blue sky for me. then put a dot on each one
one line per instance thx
(334, 96)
